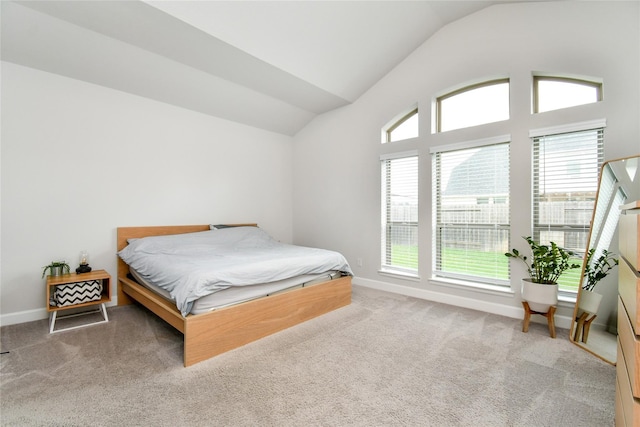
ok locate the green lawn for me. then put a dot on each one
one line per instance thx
(404, 256)
(492, 265)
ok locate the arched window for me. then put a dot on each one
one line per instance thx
(554, 93)
(405, 127)
(474, 105)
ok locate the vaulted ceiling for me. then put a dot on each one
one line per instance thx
(274, 65)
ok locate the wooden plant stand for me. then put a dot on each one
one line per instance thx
(549, 315)
(582, 329)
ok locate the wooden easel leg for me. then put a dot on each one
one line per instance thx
(527, 316)
(551, 320)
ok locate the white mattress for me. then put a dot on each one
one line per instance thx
(239, 294)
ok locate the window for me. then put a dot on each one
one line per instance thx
(404, 128)
(471, 211)
(400, 213)
(565, 182)
(554, 93)
(487, 102)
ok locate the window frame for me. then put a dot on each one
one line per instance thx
(537, 227)
(466, 279)
(397, 122)
(486, 83)
(386, 265)
(573, 80)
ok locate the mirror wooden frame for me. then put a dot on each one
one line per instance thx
(604, 337)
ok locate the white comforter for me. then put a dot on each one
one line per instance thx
(190, 266)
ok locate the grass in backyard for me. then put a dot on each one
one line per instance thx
(493, 265)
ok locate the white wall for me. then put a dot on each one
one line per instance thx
(336, 157)
(80, 160)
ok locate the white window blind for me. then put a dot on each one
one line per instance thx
(565, 182)
(400, 213)
(607, 213)
(471, 210)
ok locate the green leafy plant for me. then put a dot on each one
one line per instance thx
(56, 264)
(548, 262)
(598, 270)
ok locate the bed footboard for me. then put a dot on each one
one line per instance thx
(210, 334)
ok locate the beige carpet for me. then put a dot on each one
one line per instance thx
(385, 360)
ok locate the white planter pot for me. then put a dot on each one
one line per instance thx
(539, 296)
(589, 302)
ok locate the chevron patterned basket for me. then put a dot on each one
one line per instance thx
(77, 293)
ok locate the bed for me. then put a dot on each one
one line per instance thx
(222, 329)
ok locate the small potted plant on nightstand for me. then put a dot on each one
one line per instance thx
(56, 268)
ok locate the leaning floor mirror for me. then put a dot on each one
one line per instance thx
(594, 325)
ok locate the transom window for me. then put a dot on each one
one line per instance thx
(479, 104)
(404, 128)
(554, 93)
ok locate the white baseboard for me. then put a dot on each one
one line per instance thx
(23, 316)
(30, 315)
(458, 301)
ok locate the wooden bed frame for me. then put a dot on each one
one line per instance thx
(209, 334)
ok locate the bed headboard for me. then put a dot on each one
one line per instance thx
(125, 233)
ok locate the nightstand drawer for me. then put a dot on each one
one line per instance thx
(629, 290)
(629, 347)
(630, 236)
(624, 397)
